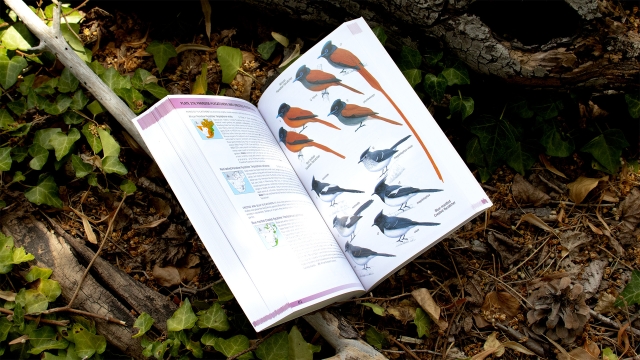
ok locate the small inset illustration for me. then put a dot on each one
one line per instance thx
(207, 129)
(270, 234)
(238, 182)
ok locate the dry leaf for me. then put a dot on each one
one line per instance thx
(193, 260)
(571, 240)
(605, 304)
(630, 209)
(184, 47)
(579, 189)
(19, 340)
(483, 355)
(577, 354)
(150, 225)
(547, 164)
(188, 274)
(8, 295)
(608, 196)
(281, 39)
(518, 347)
(402, 313)
(291, 57)
(497, 303)
(525, 193)
(593, 228)
(166, 276)
(206, 11)
(426, 302)
(534, 220)
(91, 236)
(493, 343)
(623, 337)
(592, 348)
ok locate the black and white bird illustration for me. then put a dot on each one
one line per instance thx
(362, 256)
(329, 192)
(397, 227)
(396, 195)
(377, 160)
(346, 225)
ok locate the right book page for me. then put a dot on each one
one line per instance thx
(383, 175)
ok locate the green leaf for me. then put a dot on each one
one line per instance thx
(607, 354)
(274, 348)
(47, 88)
(435, 86)
(35, 100)
(432, 57)
(463, 104)
(72, 38)
(156, 90)
(59, 106)
(208, 339)
(233, 346)
(143, 323)
(423, 323)
(33, 301)
(6, 253)
(67, 82)
(607, 149)
(92, 179)
(280, 38)
(161, 52)
(72, 118)
(554, 144)
(45, 338)
(87, 344)
(378, 31)
(547, 109)
(474, 152)
(222, 290)
(631, 293)
(42, 137)
(17, 37)
(6, 120)
(375, 338)
(20, 255)
(195, 348)
(114, 80)
(141, 77)
(38, 273)
(496, 137)
(97, 67)
(5, 159)
(633, 103)
(40, 156)
(456, 75)
(183, 318)
(410, 58)
(230, 60)
(10, 69)
(19, 107)
(111, 164)
(18, 177)
(81, 168)
(213, 318)
(299, 349)
(128, 187)
(5, 326)
(266, 49)
(519, 159)
(109, 145)
(18, 315)
(46, 192)
(62, 143)
(27, 83)
(377, 309)
(200, 85)
(18, 154)
(79, 100)
(70, 15)
(50, 288)
(95, 107)
(133, 98)
(413, 76)
(90, 132)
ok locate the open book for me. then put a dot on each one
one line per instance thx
(336, 180)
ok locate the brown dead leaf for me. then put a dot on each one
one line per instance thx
(8, 295)
(579, 189)
(630, 209)
(150, 225)
(206, 11)
(548, 166)
(525, 193)
(19, 340)
(592, 348)
(572, 240)
(623, 337)
(534, 220)
(605, 304)
(248, 57)
(166, 276)
(493, 343)
(518, 347)
(184, 47)
(426, 302)
(577, 354)
(497, 303)
(193, 260)
(188, 274)
(404, 312)
(593, 228)
(91, 236)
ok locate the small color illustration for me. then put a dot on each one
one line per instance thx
(238, 182)
(295, 142)
(207, 129)
(270, 234)
(318, 80)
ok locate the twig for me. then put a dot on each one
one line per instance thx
(406, 349)
(527, 259)
(529, 343)
(35, 318)
(610, 322)
(257, 343)
(583, 205)
(507, 287)
(372, 298)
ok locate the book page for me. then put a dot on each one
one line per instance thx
(248, 206)
(385, 178)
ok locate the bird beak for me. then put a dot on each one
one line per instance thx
(319, 57)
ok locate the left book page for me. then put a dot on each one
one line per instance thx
(248, 206)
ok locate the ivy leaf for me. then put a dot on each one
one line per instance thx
(161, 52)
(18, 154)
(143, 323)
(432, 57)
(5, 159)
(209, 339)
(79, 100)
(5, 326)
(97, 67)
(183, 318)
(71, 35)
(222, 290)
(90, 132)
(19, 107)
(42, 137)
(60, 105)
(6, 120)
(435, 86)
(81, 168)
(45, 338)
(554, 144)
(474, 152)
(50, 289)
(413, 76)
(547, 109)
(607, 354)
(200, 85)
(87, 344)
(519, 159)
(280, 38)
(18, 315)
(457, 74)
(299, 349)
(195, 348)
(213, 318)
(133, 98)
(423, 323)
(607, 149)
(92, 179)
(375, 338)
(109, 145)
(36, 273)
(10, 69)
(128, 187)
(62, 143)
(462, 104)
(27, 83)
(631, 293)
(33, 301)
(6, 253)
(156, 90)
(233, 346)
(20, 255)
(377, 309)
(633, 103)
(114, 80)
(46, 192)
(141, 77)
(230, 60)
(274, 348)
(378, 31)
(40, 156)
(72, 118)
(266, 48)
(95, 107)
(17, 37)
(67, 82)
(111, 164)
(410, 58)
(489, 132)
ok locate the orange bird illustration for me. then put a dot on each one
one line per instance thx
(317, 80)
(296, 117)
(352, 115)
(296, 142)
(345, 59)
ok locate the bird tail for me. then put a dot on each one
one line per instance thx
(376, 85)
(352, 191)
(385, 119)
(429, 190)
(363, 207)
(427, 224)
(322, 147)
(350, 88)
(400, 142)
(325, 123)
(387, 255)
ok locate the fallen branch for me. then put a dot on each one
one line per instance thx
(612, 323)
(35, 318)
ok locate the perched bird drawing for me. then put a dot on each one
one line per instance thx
(352, 115)
(318, 80)
(346, 225)
(397, 195)
(379, 159)
(393, 226)
(345, 59)
(329, 192)
(362, 256)
(296, 142)
(296, 117)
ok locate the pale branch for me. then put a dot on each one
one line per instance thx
(36, 318)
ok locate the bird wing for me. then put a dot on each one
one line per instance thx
(353, 220)
(331, 189)
(358, 251)
(345, 58)
(300, 114)
(321, 77)
(294, 138)
(402, 191)
(355, 111)
(381, 155)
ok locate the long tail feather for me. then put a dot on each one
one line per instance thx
(350, 88)
(376, 85)
(322, 147)
(385, 119)
(325, 123)
(353, 191)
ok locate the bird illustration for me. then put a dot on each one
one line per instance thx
(296, 142)
(379, 159)
(397, 195)
(362, 256)
(345, 59)
(393, 226)
(329, 192)
(352, 115)
(346, 225)
(318, 80)
(296, 117)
